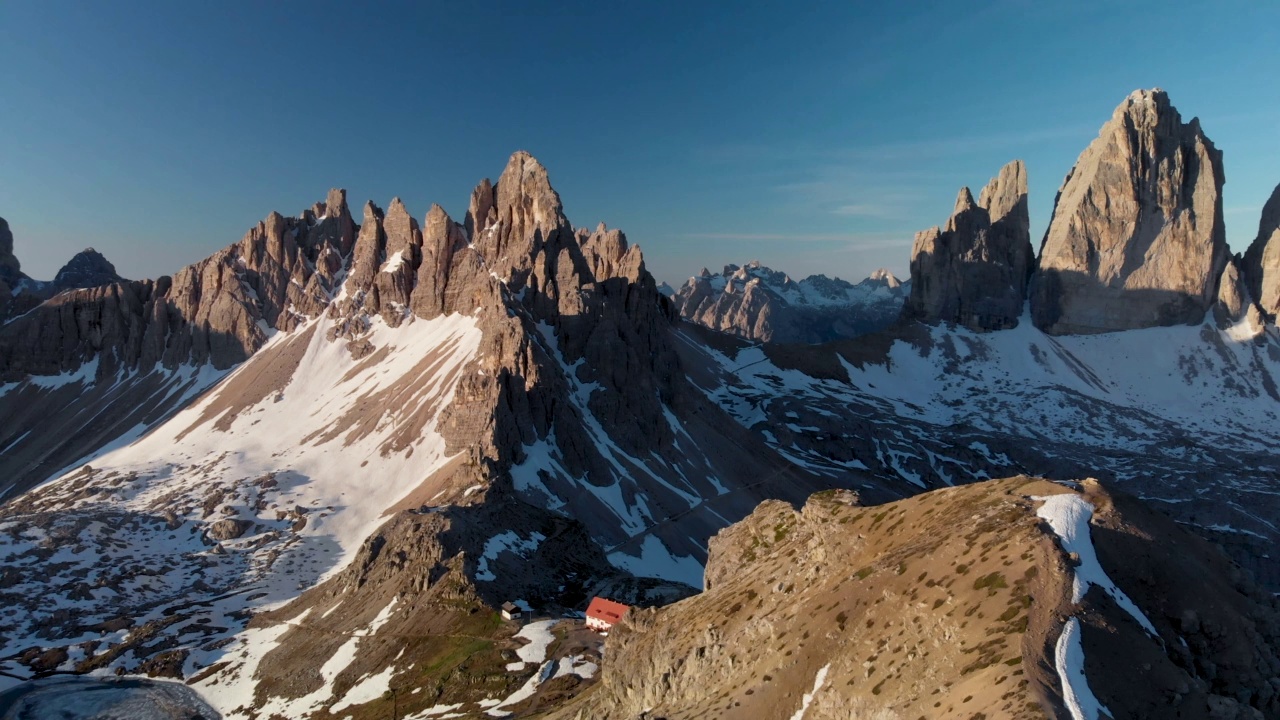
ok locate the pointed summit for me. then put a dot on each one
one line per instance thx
(87, 268)
(1137, 237)
(525, 198)
(1006, 193)
(335, 226)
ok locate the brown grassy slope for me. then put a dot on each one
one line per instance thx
(945, 605)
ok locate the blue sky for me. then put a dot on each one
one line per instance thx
(815, 140)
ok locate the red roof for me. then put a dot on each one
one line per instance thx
(606, 610)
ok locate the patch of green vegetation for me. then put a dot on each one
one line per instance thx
(991, 583)
(781, 530)
(864, 572)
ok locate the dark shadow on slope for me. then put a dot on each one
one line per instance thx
(1220, 633)
(1076, 303)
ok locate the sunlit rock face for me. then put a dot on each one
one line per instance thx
(1137, 237)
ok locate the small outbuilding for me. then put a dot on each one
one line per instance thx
(511, 611)
(603, 614)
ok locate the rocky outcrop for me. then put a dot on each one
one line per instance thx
(758, 303)
(88, 268)
(1235, 300)
(974, 271)
(1137, 238)
(1262, 259)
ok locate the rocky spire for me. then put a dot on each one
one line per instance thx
(396, 278)
(442, 239)
(1262, 259)
(481, 213)
(529, 219)
(974, 272)
(337, 230)
(1137, 237)
(368, 252)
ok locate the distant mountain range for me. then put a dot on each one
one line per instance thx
(304, 473)
(758, 303)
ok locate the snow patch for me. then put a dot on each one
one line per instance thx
(657, 561)
(507, 541)
(818, 682)
(1076, 695)
(540, 638)
(1069, 514)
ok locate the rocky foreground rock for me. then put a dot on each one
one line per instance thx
(955, 603)
(974, 271)
(1137, 236)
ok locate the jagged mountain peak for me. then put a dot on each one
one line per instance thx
(87, 268)
(1003, 194)
(884, 275)
(964, 203)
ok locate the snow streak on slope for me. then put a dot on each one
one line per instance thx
(263, 487)
(1076, 695)
(49, 424)
(1068, 514)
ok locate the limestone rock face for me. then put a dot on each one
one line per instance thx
(974, 271)
(88, 268)
(1262, 259)
(1137, 237)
